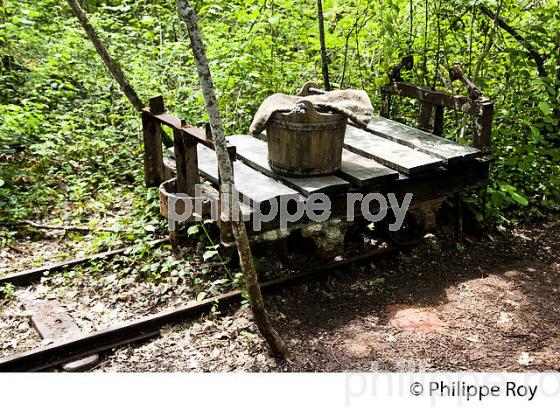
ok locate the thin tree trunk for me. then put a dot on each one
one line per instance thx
(112, 65)
(539, 60)
(478, 67)
(224, 164)
(324, 62)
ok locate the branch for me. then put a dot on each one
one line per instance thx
(539, 60)
(324, 62)
(276, 344)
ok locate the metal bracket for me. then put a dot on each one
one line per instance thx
(407, 63)
(456, 73)
(310, 88)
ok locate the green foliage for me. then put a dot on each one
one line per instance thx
(7, 291)
(70, 142)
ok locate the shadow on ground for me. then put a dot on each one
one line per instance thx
(493, 305)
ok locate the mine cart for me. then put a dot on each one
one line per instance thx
(387, 157)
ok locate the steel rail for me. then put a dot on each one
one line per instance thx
(46, 357)
(30, 276)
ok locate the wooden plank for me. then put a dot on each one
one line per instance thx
(53, 323)
(174, 122)
(362, 171)
(482, 132)
(425, 120)
(389, 153)
(255, 188)
(448, 151)
(359, 170)
(153, 161)
(186, 163)
(207, 190)
(254, 153)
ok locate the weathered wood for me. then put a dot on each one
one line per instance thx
(53, 323)
(208, 195)
(481, 109)
(254, 153)
(307, 143)
(254, 187)
(425, 117)
(389, 153)
(449, 151)
(482, 129)
(157, 105)
(153, 158)
(385, 110)
(438, 121)
(359, 170)
(172, 121)
(429, 185)
(363, 172)
(180, 166)
(186, 158)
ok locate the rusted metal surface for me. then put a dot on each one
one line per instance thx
(456, 73)
(407, 63)
(427, 210)
(156, 105)
(460, 103)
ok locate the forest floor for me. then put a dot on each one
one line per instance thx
(490, 304)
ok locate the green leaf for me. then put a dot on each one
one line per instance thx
(209, 254)
(200, 296)
(194, 229)
(545, 108)
(520, 199)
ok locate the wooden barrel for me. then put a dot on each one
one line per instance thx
(307, 143)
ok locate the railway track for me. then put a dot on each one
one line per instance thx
(62, 352)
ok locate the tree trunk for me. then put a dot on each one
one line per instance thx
(225, 167)
(324, 62)
(539, 60)
(112, 65)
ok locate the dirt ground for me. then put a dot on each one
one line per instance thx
(492, 304)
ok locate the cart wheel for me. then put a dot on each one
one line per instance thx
(300, 253)
(410, 234)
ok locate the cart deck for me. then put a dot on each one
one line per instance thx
(387, 157)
